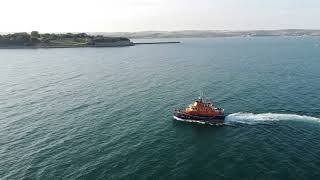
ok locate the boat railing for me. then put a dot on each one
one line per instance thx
(175, 110)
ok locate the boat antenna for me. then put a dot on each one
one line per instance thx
(201, 95)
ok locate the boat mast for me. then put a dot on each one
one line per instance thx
(201, 95)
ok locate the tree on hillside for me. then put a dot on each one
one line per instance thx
(21, 37)
(35, 34)
(1, 39)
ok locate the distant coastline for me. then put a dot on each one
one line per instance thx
(211, 33)
(121, 39)
(36, 40)
(68, 40)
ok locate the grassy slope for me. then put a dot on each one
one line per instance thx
(69, 42)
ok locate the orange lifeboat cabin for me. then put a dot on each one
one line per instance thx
(200, 111)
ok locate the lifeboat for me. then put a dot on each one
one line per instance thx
(201, 111)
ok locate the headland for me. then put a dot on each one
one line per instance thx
(25, 40)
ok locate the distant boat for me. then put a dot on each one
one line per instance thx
(201, 111)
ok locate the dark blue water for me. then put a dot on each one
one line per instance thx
(105, 113)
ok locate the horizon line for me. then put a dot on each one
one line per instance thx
(287, 29)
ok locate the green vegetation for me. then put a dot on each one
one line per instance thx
(35, 39)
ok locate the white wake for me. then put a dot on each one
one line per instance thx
(251, 118)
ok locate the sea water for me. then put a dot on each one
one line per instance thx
(106, 113)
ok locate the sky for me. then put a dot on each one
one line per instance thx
(156, 15)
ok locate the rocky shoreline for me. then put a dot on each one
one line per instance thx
(84, 46)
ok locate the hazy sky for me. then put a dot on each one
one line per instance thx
(141, 15)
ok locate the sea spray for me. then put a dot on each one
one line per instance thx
(251, 118)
